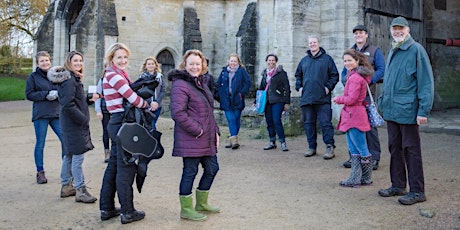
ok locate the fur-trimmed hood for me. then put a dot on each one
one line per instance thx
(58, 74)
(363, 71)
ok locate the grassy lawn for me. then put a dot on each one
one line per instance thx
(12, 89)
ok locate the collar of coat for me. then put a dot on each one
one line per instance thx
(176, 74)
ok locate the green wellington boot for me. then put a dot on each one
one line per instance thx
(187, 211)
(202, 202)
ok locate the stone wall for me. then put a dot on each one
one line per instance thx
(443, 23)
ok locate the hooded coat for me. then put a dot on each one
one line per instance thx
(37, 87)
(195, 129)
(353, 114)
(313, 74)
(241, 82)
(74, 114)
(279, 89)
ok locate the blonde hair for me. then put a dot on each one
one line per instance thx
(41, 54)
(112, 49)
(237, 58)
(157, 66)
(68, 61)
(204, 65)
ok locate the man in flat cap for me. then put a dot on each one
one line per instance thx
(375, 57)
(406, 101)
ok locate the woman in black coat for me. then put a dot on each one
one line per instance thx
(45, 110)
(275, 81)
(74, 118)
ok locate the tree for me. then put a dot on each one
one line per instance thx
(19, 20)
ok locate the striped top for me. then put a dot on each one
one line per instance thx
(116, 87)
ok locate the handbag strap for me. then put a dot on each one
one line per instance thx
(370, 94)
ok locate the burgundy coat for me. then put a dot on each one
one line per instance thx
(353, 114)
(192, 109)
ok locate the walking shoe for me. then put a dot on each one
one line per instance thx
(375, 164)
(68, 190)
(271, 145)
(132, 216)
(412, 198)
(392, 191)
(284, 147)
(347, 164)
(310, 153)
(108, 214)
(41, 178)
(329, 152)
(83, 195)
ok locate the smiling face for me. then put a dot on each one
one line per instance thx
(76, 63)
(150, 66)
(120, 59)
(44, 63)
(313, 45)
(233, 62)
(271, 62)
(349, 62)
(360, 36)
(193, 65)
(399, 32)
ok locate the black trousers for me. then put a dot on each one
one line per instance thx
(406, 156)
(118, 176)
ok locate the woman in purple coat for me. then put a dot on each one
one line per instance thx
(196, 133)
(353, 117)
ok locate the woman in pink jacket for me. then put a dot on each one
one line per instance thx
(353, 117)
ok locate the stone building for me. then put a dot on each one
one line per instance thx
(165, 29)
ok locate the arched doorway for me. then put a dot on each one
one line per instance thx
(166, 59)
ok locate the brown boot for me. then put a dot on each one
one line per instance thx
(107, 155)
(84, 196)
(229, 143)
(41, 178)
(68, 190)
(235, 144)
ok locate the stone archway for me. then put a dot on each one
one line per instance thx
(166, 59)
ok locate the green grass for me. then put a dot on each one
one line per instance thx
(12, 89)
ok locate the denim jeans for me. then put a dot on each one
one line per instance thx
(406, 156)
(72, 169)
(155, 119)
(105, 133)
(322, 112)
(41, 128)
(234, 121)
(356, 141)
(273, 114)
(210, 168)
(118, 176)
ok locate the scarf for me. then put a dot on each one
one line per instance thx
(270, 74)
(231, 74)
(395, 44)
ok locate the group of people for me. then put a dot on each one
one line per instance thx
(59, 101)
(405, 103)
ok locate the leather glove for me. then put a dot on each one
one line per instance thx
(52, 95)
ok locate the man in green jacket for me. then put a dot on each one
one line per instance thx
(406, 101)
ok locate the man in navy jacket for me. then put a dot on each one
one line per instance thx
(316, 77)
